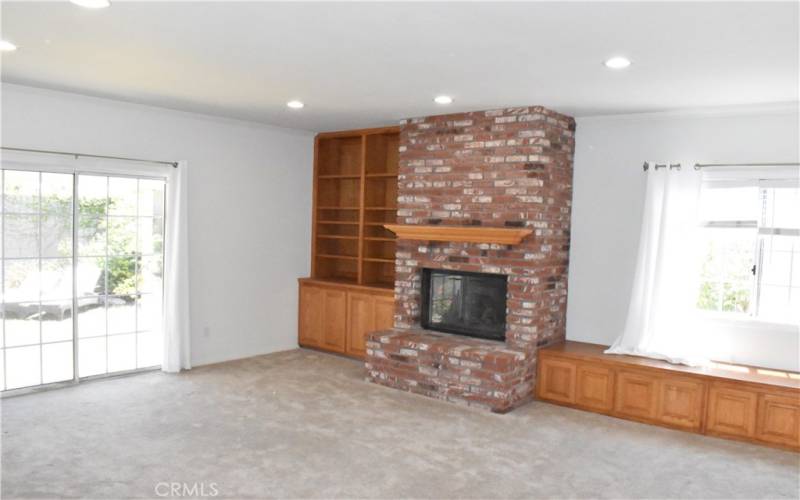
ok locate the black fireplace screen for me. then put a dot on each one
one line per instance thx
(471, 304)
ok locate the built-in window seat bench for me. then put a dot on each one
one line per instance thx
(731, 401)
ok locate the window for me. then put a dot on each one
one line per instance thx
(751, 250)
(82, 266)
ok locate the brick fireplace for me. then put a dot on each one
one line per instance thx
(500, 168)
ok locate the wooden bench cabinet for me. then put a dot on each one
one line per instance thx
(336, 317)
(735, 402)
(778, 419)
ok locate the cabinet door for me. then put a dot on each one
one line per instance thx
(779, 419)
(312, 301)
(335, 317)
(384, 312)
(680, 402)
(361, 316)
(557, 380)
(731, 411)
(636, 395)
(595, 387)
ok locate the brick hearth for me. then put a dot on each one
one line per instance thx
(500, 168)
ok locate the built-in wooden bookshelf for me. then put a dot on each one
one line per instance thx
(355, 194)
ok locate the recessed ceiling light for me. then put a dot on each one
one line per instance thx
(295, 104)
(7, 46)
(92, 4)
(443, 99)
(617, 62)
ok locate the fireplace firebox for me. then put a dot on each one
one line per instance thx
(472, 304)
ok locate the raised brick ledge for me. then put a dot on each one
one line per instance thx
(475, 372)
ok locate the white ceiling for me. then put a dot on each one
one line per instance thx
(361, 64)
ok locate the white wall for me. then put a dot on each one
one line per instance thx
(249, 205)
(609, 194)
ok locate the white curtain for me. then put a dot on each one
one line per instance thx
(175, 324)
(177, 352)
(661, 319)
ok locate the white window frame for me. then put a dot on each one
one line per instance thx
(750, 319)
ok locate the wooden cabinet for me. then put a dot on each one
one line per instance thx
(744, 403)
(731, 412)
(557, 380)
(361, 309)
(594, 387)
(384, 312)
(680, 402)
(367, 313)
(636, 395)
(778, 419)
(311, 320)
(335, 314)
(337, 317)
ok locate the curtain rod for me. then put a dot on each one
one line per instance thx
(671, 166)
(173, 164)
(698, 166)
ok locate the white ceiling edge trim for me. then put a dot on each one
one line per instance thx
(776, 108)
(110, 101)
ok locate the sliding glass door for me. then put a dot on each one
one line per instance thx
(82, 272)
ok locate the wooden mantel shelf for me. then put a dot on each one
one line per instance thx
(470, 234)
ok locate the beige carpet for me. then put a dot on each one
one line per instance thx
(302, 424)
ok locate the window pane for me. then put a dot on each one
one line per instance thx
(710, 296)
(20, 191)
(91, 317)
(121, 315)
(121, 235)
(151, 272)
(777, 268)
(726, 279)
(122, 199)
(148, 345)
(57, 194)
(780, 261)
(56, 279)
(91, 277)
(21, 323)
(22, 235)
(121, 275)
(736, 297)
(92, 235)
(56, 362)
(56, 235)
(23, 367)
(149, 310)
(56, 319)
(91, 356)
(121, 352)
(151, 235)
(21, 280)
(151, 198)
(782, 208)
(92, 194)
